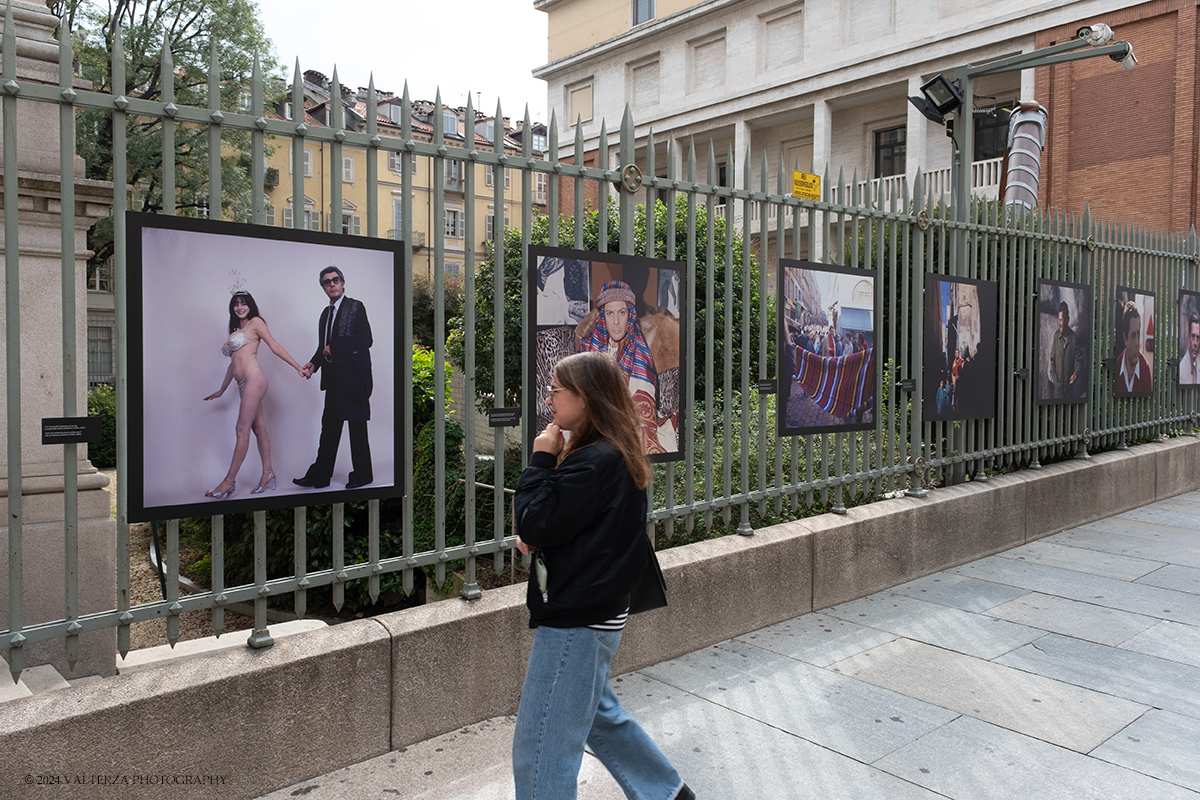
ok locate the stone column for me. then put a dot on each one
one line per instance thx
(917, 134)
(41, 217)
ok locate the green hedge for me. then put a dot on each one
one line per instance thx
(102, 403)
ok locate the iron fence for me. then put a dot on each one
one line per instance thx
(735, 470)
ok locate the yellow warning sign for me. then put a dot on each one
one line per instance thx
(805, 185)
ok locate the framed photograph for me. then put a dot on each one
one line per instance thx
(242, 381)
(1189, 338)
(959, 380)
(1133, 371)
(627, 307)
(1064, 358)
(826, 351)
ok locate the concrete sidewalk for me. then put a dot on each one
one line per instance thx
(1066, 668)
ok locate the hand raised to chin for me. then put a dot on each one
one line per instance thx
(549, 441)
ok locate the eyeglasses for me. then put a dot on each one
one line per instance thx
(553, 390)
(328, 281)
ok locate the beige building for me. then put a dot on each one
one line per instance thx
(351, 218)
(824, 85)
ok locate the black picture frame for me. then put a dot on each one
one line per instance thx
(1071, 354)
(180, 276)
(563, 287)
(826, 329)
(960, 349)
(1189, 364)
(1136, 384)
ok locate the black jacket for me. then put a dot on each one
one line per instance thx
(347, 377)
(584, 517)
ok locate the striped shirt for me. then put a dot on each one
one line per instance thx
(617, 623)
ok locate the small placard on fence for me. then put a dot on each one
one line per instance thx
(504, 417)
(70, 430)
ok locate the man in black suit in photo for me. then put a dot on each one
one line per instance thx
(343, 356)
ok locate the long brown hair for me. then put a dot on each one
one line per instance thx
(610, 415)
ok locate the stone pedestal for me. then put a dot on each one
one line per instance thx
(41, 218)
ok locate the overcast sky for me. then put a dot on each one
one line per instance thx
(485, 47)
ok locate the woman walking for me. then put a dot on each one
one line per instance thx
(580, 507)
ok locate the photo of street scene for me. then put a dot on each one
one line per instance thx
(826, 348)
(1133, 372)
(1064, 355)
(959, 379)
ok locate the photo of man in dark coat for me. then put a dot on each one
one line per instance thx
(343, 356)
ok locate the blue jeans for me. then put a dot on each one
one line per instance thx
(566, 701)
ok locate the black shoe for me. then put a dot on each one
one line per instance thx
(309, 483)
(685, 793)
(358, 483)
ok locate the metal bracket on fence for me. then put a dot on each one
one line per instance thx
(631, 178)
(907, 385)
(1091, 243)
(1196, 258)
(1021, 374)
(923, 220)
(1087, 436)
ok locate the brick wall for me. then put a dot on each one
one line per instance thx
(1125, 141)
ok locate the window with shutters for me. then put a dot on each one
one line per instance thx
(455, 224)
(454, 176)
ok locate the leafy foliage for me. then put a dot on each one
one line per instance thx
(423, 375)
(189, 28)
(423, 297)
(102, 403)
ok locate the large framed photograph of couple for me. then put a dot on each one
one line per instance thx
(959, 376)
(826, 351)
(627, 307)
(251, 350)
(1189, 338)
(1133, 346)
(1064, 357)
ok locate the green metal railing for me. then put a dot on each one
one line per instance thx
(734, 464)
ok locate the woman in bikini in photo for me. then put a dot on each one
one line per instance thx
(246, 330)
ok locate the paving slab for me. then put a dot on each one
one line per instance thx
(817, 638)
(1121, 673)
(1045, 709)
(1173, 576)
(1170, 640)
(1165, 515)
(1081, 559)
(936, 624)
(972, 760)
(832, 710)
(472, 763)
(727, 755)
(1088, 621)
(956, 591)
(1159, 744)
(1134, 597)
(1135, 540)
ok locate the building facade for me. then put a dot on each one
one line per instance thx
(319, 173)
(824, 86)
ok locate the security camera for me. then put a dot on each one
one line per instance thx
(1097, 35)
(1127, 61)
